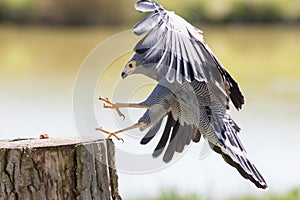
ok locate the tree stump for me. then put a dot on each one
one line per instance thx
(58, 169)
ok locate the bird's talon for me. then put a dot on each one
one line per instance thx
(123, 117)
(109, 104)
(120, 113)
(110, 134)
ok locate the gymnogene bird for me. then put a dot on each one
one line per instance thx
(193, 91)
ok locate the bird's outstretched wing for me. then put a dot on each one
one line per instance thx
(178, 51)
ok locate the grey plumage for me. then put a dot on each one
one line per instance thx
(211, 119)
(193, 91)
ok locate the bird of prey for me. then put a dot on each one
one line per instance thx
(194, 90)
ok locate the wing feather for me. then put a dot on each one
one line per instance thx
(152, 132)
(170, 38)
(165, 137)
(145, 6)
(180, 141)
(146, 24)
(172, 144)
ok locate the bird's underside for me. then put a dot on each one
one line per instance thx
(212, 122)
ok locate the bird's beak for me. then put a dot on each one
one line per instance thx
(123, 74)
(126, 71)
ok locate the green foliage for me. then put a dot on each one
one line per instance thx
(250, 11)
(293, 194)
(173, 195)
(117, 11)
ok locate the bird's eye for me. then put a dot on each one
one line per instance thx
(130, 65)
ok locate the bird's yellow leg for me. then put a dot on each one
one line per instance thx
(109, 104)
(110, 134)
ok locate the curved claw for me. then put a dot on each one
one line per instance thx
(109, 104)
(120, 113)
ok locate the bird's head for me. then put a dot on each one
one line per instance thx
(129, 68)
(139, 65)
(133, 66)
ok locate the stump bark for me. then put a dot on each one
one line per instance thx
(58, 169)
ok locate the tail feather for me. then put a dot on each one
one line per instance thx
(250, 172)
(232, 150)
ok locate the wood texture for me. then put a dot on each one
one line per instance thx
(58, 169)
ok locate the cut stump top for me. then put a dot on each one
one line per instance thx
(51, 142)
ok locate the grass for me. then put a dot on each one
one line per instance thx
(172, 195)
(293, 194)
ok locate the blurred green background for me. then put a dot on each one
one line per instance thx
(117, 11)
(44, 42)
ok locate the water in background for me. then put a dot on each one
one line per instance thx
(38, 68)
